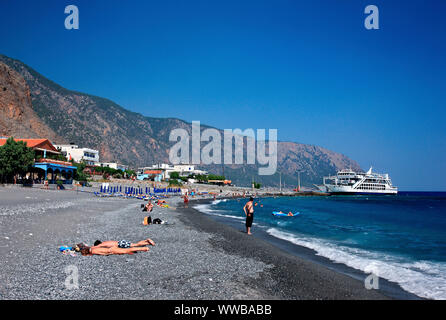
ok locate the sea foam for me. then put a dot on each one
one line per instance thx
(207, 209)
(424, 278)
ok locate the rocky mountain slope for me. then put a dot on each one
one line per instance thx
(131, 138)
(17, 117)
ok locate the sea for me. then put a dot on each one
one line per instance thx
(400, 238)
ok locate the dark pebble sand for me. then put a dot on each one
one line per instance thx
(195, 257)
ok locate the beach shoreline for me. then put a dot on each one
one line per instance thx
(291, 251)
(342, 282)
(195, 257)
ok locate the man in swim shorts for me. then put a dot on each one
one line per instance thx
(123, 244)
(100, 251)
(249, 212)
(113, 247)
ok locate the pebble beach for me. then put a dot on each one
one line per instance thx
(195, 257)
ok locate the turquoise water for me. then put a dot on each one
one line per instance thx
(400, 238)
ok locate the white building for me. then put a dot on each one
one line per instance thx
(114, 165)
(72, 151)
(183, 169)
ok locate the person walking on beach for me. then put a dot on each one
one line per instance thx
(249, 212)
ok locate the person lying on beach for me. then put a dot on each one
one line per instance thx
(113, 247)
(123, 244)
(100, 251)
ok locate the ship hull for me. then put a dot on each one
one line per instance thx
(342, 190)
(354, 193)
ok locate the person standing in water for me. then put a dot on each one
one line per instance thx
(249, 212)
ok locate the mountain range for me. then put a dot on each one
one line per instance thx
(32, 106)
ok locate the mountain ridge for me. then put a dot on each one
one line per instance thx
(132, 138)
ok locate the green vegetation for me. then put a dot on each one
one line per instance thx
(80, 175)
(174, 175)
(175, 183)
(215, 177)
(59, 157)
(15, 159)
(117, 174)
(129, 173)
(256, 185)
(201, 178)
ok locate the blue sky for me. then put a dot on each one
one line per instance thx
(308, 68)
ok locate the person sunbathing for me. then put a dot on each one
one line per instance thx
(122, 244)
(103, 251)
(113, 247)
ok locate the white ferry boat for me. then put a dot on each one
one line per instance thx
(350, 182)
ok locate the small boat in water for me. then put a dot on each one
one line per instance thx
(349, 182)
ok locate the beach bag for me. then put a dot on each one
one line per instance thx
(147, 220)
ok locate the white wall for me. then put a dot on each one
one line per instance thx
(90, 156)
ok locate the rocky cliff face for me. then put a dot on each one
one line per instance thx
(128, 137)
(17, 117)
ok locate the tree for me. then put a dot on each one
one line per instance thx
(174, 175)
(80, 174)
(174, 182)
(201, 177)
(15, 158)
(129, 173)
(215, 177)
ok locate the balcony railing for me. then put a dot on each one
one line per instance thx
(45, 160)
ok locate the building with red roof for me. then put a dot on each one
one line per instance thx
(43, 167)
